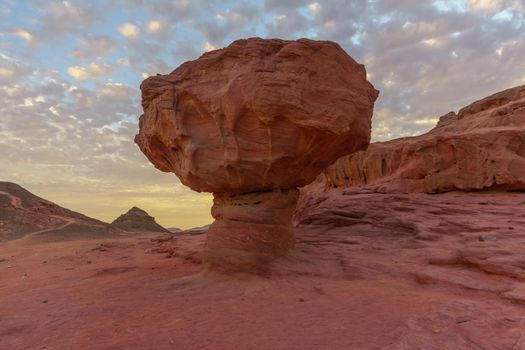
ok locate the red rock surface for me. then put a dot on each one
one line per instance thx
(369, 271)
(482, 147)
(250, 230)
(257, 115)
(250, 123)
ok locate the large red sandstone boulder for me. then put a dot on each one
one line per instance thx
(482, 147)
(251, 123)
(257, 115)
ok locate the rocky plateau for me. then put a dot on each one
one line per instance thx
(481, 147)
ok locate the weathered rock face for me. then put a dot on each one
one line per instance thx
(137, 219)
(258, 222)
(251, 123)
(480, 148)
(257, 115)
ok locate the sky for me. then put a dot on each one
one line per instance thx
(70, 72)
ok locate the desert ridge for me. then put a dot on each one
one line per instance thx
(25, 215)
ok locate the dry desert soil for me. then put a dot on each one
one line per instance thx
(369, 271)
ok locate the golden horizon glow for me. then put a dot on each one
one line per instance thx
(171, 206)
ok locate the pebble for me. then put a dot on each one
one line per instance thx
(461, 320)
(487, 238)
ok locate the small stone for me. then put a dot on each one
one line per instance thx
(44, 301)
(301, 300)
(460, 320)
(487, 238)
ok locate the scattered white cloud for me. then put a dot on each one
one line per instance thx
(329, 24)
(314, 6)
(485, 5)
(93, 70)
(154, 26)
(432, 42)
(130, 31)
(6, 73)
(28, 102)
(95, 46)
(208, 46)
(23, 34)
(427, 121)
(117, 90)
(123, 61)
(54, 110)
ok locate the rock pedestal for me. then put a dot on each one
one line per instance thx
(251, 123)
(250, 230)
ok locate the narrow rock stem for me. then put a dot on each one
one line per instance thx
(250, 230)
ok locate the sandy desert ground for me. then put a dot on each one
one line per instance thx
(370, 271)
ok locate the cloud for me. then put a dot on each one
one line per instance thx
(12, 71)
(56, 19)
(23, 34)
(95, 46)
(123, 61)
(130, 31)
(209, 47)
(159, 29)
(92, 71)
(154, 26)
(6, 73)
(486, 5)
(314, 6)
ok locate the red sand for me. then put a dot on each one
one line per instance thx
(410, 273)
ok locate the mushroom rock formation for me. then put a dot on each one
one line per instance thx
(482, 147)
(251, 123)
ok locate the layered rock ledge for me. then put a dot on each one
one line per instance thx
(481, 147)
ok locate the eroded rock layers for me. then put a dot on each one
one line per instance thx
(480, 147)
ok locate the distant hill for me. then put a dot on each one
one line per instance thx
(25, 214)
(196, 230)
(137, 219)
